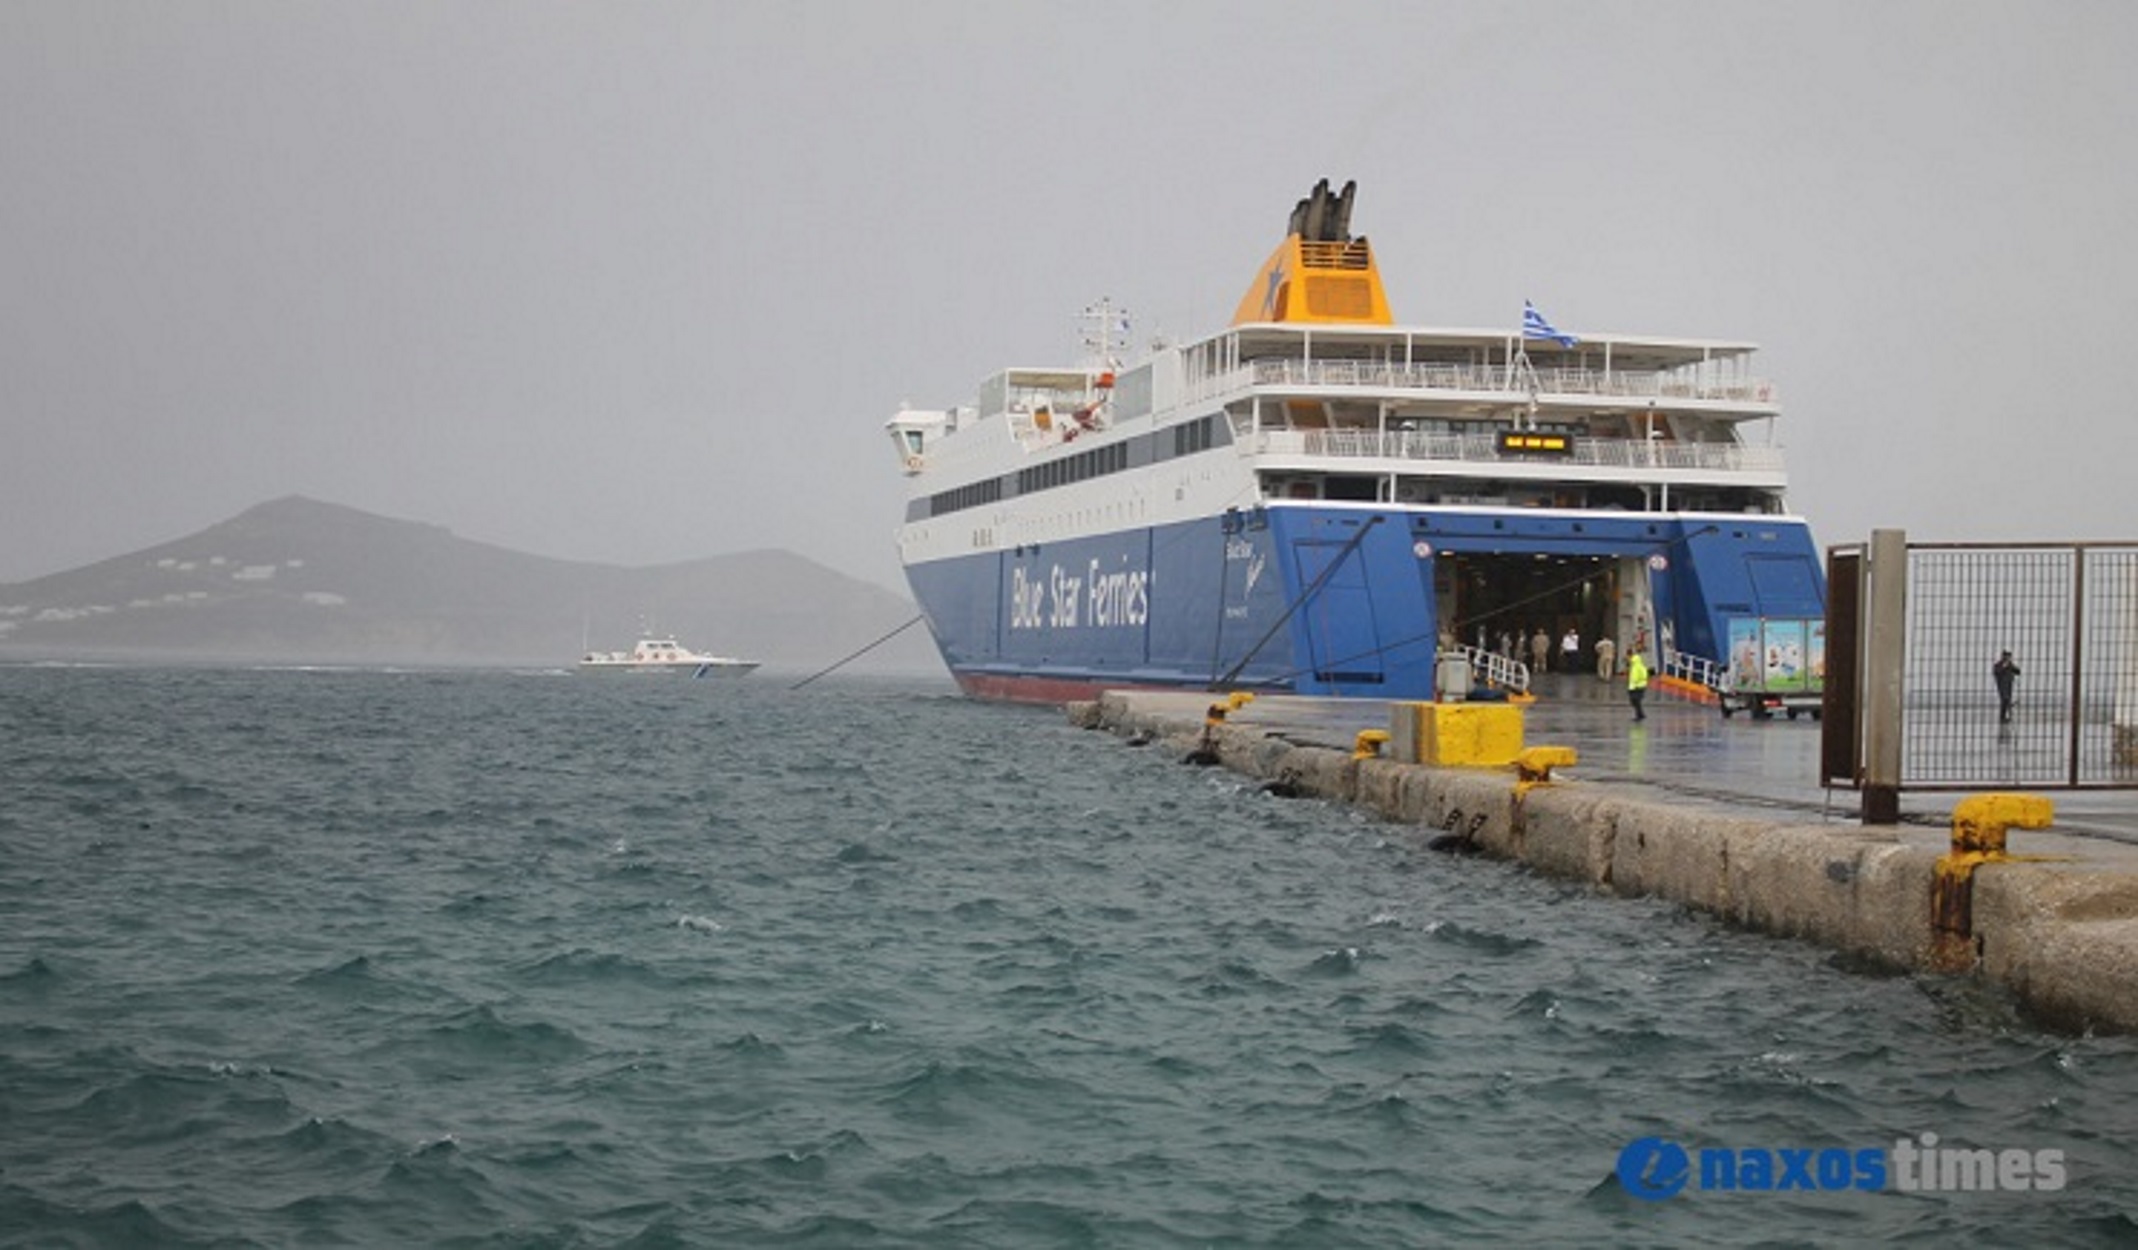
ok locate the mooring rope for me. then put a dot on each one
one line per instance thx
(858, 654)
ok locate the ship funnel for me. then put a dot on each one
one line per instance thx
(1319, 273)
(1324, 218)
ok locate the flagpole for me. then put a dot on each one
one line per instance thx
(1514, 345)
(1527, 419)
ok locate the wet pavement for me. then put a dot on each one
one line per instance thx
(1690, 753)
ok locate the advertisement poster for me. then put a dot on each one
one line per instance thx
(1785, 668)
(1744, 653)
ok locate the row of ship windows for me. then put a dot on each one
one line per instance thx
(1188, 438)
(970, 496)
(1077, 468)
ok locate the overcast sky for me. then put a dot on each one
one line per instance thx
(640, 282)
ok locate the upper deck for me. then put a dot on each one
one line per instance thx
(1479, 373)
(1314, 391)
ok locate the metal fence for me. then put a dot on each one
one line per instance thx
(2067, 612)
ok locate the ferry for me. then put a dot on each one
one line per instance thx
(1319, 500)
(664, 655)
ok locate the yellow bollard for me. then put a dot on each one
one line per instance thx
(1980, 821)
(1535, 765)
(1367, 745)
(1979, 825)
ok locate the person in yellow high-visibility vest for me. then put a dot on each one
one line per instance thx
(1637, 683)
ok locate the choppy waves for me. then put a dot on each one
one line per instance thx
(489, 959)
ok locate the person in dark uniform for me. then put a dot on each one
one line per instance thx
(2003, 672)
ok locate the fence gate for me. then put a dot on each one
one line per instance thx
(2068, 613)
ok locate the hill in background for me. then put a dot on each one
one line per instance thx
(297, 580)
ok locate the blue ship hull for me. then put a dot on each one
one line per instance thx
(1325, 599)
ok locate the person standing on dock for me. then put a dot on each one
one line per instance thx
(1540, 650)
(2004, 672)
(1637, 683)
(1606, 652)
(1570, 651)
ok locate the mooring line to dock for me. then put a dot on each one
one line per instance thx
(858, 654)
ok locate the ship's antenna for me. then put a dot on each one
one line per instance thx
(1105, 333)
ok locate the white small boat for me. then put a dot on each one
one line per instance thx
(664, 655)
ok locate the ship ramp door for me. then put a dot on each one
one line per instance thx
(1484, 597)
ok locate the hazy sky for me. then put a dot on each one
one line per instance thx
(640, 282)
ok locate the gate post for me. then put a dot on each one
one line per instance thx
(1884, 654)
(2120, 632)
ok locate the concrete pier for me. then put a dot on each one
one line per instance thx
(1723, 827)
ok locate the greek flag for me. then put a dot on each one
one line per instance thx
(1534, 326)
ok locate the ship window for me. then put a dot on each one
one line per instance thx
(1082, 467)
(1190, 437)
(973, 495)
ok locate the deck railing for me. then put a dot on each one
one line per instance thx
(1496, 670)
(1696, 669)
(1490, 379)
(1484, 448)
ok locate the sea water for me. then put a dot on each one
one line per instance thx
(527, 959)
